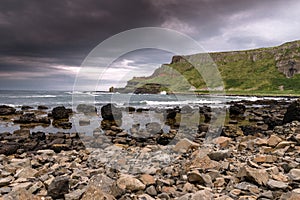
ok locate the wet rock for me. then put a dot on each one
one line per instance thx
(7, 110)
(86, 109)
(26, 107)
(61, 112)
(62, 123)
(111, 112)
(272, 121)
(28, 118)
(237, 109)
(9, 149)
(42, 107)
(171, 113)
(293, 112)
(58, 187)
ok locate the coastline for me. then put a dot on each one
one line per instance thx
(151, 162)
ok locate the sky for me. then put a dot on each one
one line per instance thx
(43, 43)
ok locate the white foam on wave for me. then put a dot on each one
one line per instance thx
(33, 96)
(185, 102)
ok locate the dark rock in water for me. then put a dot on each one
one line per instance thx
(61, 112)
(130, 109)
(60, 147)
(38, 135)
(204, 109)
(293, 112)
(42, 107)
(3, 135)
(26, 107)
(59, 187)
(237, 109)
(139, 110)
(111, 112)
(86, 109)
(171, 113)
(28, 118)
(62, 123)
(207, 117)
(107, 124)
(203, 128)
(7, 110)
(272, 121)
(165, 138)
(249, 130)
(25, 133)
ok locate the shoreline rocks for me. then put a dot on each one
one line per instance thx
(256, 157)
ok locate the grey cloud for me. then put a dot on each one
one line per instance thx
(48, 33)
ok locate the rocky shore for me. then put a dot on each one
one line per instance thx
(256, 155)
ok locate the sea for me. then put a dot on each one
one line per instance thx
(51, 99)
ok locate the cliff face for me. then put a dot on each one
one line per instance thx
(285, 57)
(272, 69)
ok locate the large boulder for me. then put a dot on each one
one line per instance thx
(237, 109)
(61, 112)
(58, 187)
(7, 110)
(111, 112)
(293, 112)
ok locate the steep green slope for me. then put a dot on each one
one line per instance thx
(274, 70)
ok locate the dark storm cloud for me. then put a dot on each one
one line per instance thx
(46, 37)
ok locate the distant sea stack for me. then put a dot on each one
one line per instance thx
(269, 70)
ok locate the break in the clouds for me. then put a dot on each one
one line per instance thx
(43, 43)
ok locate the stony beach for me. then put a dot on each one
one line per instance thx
(256, 155)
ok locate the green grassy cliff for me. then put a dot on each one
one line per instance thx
(270, 71)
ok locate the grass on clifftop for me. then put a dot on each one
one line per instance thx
(251, 72)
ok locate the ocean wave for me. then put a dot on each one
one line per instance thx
(185, 102)
(33, 96)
